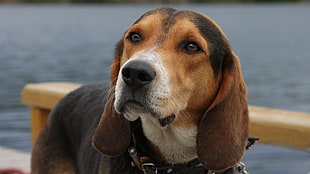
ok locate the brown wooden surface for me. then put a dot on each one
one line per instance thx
(281, 128)
(46, 95)
(38, 119)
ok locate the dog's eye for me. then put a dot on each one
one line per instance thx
(192, 48)
(134, 37)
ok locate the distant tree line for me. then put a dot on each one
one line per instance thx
(146, 1)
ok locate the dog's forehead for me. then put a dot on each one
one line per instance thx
(207, 28)
(169, 16)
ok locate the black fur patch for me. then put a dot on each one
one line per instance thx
(219, 47)
(166, 11)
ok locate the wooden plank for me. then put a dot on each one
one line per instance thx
(39, 118)
(46, 95)
(275, 127)
(281, 128)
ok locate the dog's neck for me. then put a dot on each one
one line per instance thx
(176, 144)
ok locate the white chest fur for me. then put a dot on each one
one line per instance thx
(177, 145)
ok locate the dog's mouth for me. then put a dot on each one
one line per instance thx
(135, 105)
(134, 109)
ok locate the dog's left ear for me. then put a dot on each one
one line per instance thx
(223, 130)
(112, 136)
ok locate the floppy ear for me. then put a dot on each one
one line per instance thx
(223, 130)
(112, 136)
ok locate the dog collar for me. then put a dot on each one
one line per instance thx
(142, 161)
(146, 166)
(193, 166)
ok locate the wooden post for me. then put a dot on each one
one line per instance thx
(42, 97)
(38, 119)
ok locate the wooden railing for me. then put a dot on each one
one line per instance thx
(275, 127)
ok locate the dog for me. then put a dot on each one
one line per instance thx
(176, 103)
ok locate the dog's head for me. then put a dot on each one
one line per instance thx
(177, 64)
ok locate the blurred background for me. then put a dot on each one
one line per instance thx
(73, 41)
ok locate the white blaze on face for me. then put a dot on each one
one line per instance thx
(159, 90)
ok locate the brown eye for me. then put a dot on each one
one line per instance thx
(191, 48)
(134, 37)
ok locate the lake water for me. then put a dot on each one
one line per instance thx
(75, 44)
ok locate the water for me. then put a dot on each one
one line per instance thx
(75, 44)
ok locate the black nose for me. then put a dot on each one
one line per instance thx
(138, 74)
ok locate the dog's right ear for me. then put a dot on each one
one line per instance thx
(112, 136)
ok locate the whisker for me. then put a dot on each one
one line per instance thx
(183, 115)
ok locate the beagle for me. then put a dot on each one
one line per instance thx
(176, 104)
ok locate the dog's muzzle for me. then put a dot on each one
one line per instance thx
(137, 78)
